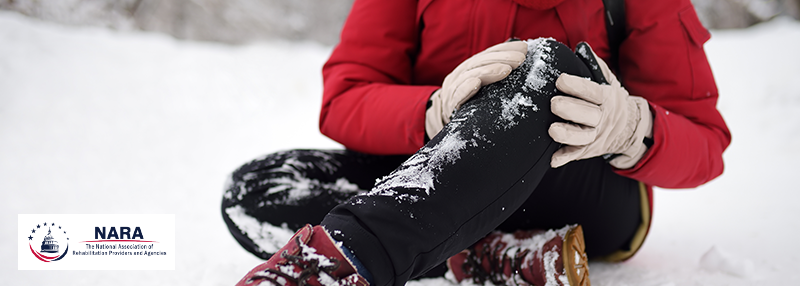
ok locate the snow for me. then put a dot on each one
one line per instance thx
(722, 261)
(98, 121)
(267, 237)
(418, 172)
(550, 258)
(540, 73)
(512, 108)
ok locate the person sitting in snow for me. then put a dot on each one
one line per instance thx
(528, 158)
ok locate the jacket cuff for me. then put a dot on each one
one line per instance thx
(433, 115)
(644, 129)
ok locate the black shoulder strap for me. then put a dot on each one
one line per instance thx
(615, 26)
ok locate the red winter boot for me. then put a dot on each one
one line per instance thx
(310, 258)
(554, 257)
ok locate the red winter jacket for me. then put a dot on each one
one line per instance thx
(394, 54)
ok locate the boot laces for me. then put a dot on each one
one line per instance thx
(309, 267)
(497, 258)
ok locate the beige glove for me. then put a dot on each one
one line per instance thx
(604, 119)
(488, 66)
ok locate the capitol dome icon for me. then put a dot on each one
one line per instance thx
(49, 244)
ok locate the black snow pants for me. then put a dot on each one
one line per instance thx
(488, 169)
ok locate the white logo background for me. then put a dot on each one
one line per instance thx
(78, 232)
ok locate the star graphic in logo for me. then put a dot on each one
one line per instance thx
(30, 237)
(33, 231)
(37, 226)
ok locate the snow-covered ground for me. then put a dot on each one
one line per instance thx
(97, 121)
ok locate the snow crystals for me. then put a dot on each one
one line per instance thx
(512, 109)
(540, 72)
(419, 171)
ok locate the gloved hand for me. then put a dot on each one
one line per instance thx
(604, 118)
(488, 66)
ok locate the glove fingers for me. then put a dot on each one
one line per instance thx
(581, 88)
(492, 62)
(469, 82)
(510, 58)
(518, 46)
(572, 134)
(489, 74)
(576, 110)
(565, 155)
(465, 91)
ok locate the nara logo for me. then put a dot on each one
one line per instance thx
(54, 242)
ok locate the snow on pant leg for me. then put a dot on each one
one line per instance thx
(589, 193)
(268, 199)
(466, 181)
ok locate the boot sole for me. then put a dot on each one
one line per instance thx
(576, 265)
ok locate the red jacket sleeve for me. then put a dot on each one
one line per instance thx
(368, 104)
(663, 61)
